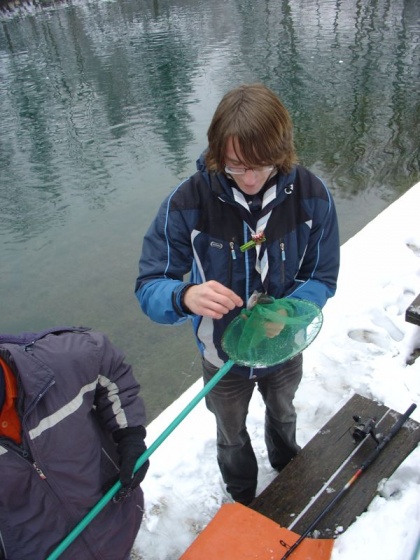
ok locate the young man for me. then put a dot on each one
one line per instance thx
(71, 424)
(248, 187)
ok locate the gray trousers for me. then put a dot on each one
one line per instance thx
(229, 402)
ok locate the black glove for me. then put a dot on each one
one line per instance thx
(130, 446)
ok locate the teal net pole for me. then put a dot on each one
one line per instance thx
(66, 542)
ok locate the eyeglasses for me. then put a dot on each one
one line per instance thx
(242, 170)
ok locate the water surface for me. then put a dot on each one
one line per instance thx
(105, 106)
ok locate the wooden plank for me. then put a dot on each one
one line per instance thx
(412, 314)
(314, 472)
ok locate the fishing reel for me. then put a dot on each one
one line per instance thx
(364, 427)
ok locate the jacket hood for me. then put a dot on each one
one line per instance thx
(201, 162)
(35, 376)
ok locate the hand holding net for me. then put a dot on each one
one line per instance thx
(272, 332)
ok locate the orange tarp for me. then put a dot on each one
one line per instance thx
(239, 533)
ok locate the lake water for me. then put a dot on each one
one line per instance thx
(105, 106)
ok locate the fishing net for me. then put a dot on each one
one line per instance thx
(272, 331)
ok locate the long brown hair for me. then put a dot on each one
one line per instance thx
(259, 125)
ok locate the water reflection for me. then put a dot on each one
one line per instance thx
(105, 106)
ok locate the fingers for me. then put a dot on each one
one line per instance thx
(140, 474)
(122, 494)
(130, 484)
(273, 329)
(211, 299)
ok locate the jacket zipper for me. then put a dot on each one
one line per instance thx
(232, 258)
(39, 471)
(38, 398)
(283, 260)
(26, 456)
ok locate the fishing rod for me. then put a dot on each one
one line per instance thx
(370, 459)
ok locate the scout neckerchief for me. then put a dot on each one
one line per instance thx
(10, 426)
(257, 223)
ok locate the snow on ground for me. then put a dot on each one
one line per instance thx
(363, 348)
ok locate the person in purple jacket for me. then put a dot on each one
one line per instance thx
(71, 424)
(250, 222)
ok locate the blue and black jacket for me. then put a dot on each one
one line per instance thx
(199, 230)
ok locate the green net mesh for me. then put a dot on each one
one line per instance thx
(272, 332)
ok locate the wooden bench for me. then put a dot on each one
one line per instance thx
(320, 470)
(412, 314)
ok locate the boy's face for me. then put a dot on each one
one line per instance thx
(250, 181)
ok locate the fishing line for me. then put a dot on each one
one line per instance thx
(334, 474)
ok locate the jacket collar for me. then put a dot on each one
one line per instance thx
(221, 185)
(33, 376)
